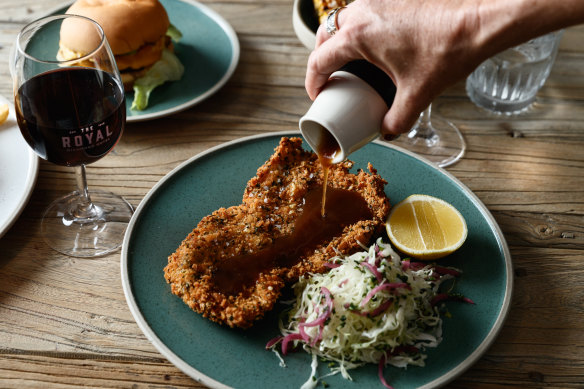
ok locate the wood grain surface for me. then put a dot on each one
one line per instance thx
(64, 322)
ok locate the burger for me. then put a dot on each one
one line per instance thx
(140, 36)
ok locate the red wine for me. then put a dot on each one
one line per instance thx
(71, 116)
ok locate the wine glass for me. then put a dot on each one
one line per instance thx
(72, 113)
(435, 138)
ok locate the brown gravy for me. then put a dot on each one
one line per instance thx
(326, 150)
(310, 230)
(314, 226)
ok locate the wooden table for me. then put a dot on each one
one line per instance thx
(64, 322)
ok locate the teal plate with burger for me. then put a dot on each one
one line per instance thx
(209, 50)
(221, 357)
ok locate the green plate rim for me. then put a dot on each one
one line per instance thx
(192, 372)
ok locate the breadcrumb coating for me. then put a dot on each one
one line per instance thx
(272, 201)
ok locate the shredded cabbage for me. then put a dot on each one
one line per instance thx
(371, 307)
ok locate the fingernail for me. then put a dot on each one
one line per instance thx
(390, 137)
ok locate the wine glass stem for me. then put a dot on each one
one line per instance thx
(424, 127)
(84, 208)
(425, 116)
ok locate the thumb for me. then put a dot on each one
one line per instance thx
(324, 60)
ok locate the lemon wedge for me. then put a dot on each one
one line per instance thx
(3, 113)
(426, 227)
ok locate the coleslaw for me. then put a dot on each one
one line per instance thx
(371, 307)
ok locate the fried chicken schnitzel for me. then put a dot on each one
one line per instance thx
(232, 267)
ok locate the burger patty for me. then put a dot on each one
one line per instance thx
(135, 30)
(145, 56)
(272, 202)
(134, 65)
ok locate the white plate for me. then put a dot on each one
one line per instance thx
(19, 167)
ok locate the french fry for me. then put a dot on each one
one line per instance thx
(3, 113)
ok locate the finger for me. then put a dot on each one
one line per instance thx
(324, 61)
(330, 54)
(321, 64)
(321, 35)
(402, 115)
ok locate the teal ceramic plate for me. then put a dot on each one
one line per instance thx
(209, 50)
(221, 357)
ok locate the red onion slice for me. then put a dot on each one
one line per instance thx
(385, 286)
(373, 270)
(450, 297)
(287, 339)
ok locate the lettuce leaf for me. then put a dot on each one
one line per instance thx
(174, 33)
(168, 68)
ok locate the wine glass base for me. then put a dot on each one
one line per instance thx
(443, 145)
(86, 237)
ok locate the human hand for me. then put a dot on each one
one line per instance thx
(427, 45)
(424, 46)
